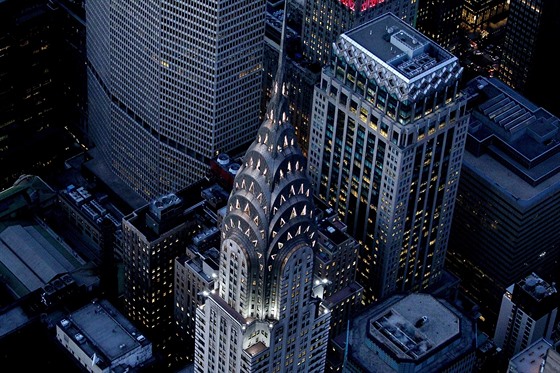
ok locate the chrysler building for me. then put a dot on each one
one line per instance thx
(262, 316)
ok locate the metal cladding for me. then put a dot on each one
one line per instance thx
(398, 58)
(269, 212)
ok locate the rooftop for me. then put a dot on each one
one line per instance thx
(31, 255)
(414, 326)
(99, 328)
(198, 202)
(537, 288)
(414, 329)
(398, 57)
(256, 348)
(530, 359)
(332, 232)
(512, 143)
(345, 293)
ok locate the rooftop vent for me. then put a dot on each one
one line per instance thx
(421, 321)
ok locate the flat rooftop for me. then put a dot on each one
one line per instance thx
(408, 329)
(199, 201)
(536, 287)
(414, 326)
(100, 328)
(400, 46)
(332, 232)
(530, 359)
(512, 143)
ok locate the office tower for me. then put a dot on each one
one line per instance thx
(262, 317)
(33, 139)
(172, 85)
(532, 27)
(335, 270)
(336, 261)
(153, 237)
(413, 333)
(439, 20)
(69, 33)
(196, 270)
(479, 16)
(505, 223)
(304, 72)
(528, 313)
(86, 214)
(325, 20)
(386, 144)
(194, 277)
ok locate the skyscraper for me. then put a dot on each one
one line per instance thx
(386, 144)
(170, 85)
(505, 223)
(478, 15)
(154, 236)
(33, 113)
(262, 317)
(528, 313)
(532, 27)
(440, 20)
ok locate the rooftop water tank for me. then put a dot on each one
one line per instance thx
(233, 168)
(223, 159)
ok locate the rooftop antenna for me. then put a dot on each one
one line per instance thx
(273, 131)
(274, 108)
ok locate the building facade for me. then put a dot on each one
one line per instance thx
(194, 279)
(478, 15)
(92, 218)
(196, 271)
(532, 27)
(262, 316)
(527, 314)
(172, 85)
(325, 20)
(153, 237)
(505, 225)
(33, 110)
(386, 144)
(336, 261)
(102, 340)
(440, 21)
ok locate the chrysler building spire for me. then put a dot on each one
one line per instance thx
(263, 309)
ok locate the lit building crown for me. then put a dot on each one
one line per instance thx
(269, 213)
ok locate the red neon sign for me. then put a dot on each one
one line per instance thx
(366, 4)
